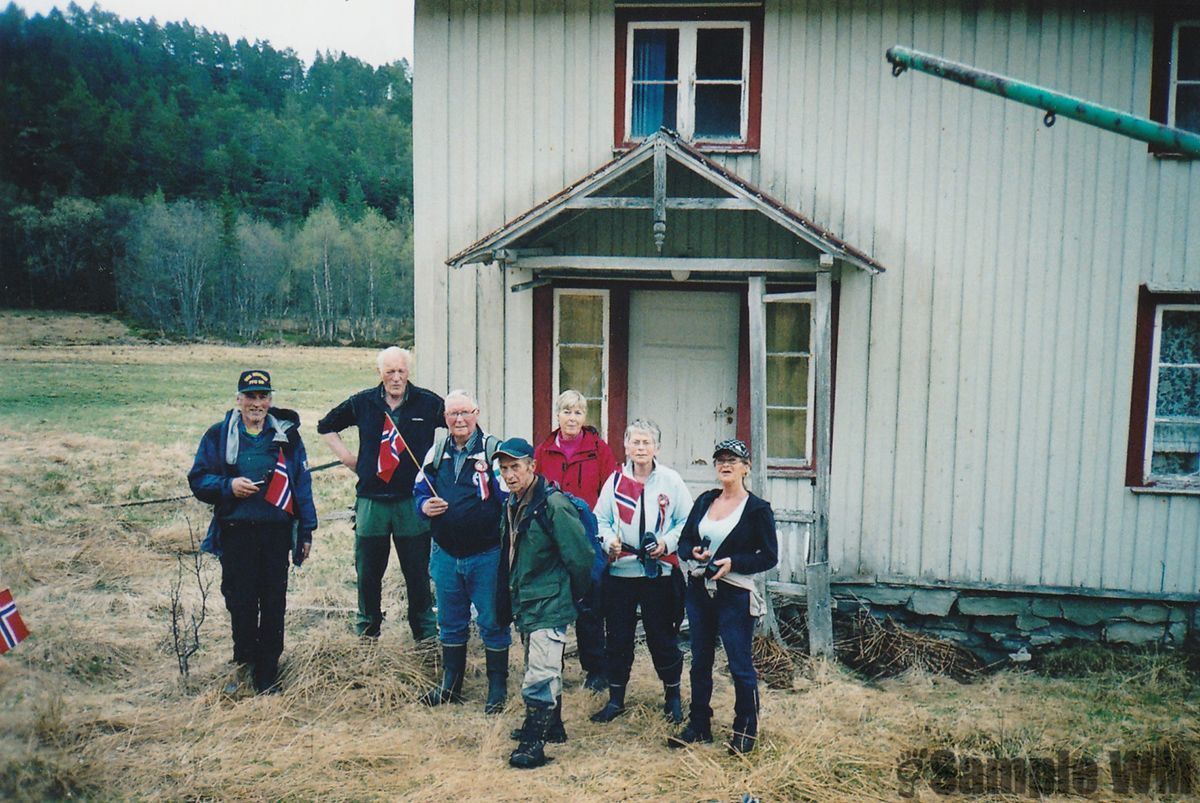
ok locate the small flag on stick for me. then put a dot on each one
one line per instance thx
(12, 629)
(626, 493)
(279, 490)
(391, 444)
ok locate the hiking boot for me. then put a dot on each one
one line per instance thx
(497, 675)
(266, 678)
(614, 707)
(693, 733)
(241, 677)
(557, 733)
(454, 665)
(745, 719)
(530, 753)
(672, 704)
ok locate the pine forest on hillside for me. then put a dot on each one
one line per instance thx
(202, 187)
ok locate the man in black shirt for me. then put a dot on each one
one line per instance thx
(393, 417)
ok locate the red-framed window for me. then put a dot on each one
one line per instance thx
(1164, 419)
(694, 70)
(1175, 76)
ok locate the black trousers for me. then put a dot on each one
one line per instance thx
(589, 630)
(658, 598)
(254, 574)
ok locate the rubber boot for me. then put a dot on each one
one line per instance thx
(672, 704)
(745, 720)
(497, 675)
(614, 707)
(454, 665)
(530, 753)
(595, 682)
(557, 733)
(695, 732)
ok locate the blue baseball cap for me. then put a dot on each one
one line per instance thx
(515, 447)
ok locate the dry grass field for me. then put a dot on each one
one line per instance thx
(92, 705)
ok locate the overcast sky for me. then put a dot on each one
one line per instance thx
(376, 31)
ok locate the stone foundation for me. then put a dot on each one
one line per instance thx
(997, 625)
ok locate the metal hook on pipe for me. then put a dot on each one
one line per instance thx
(1050, 119)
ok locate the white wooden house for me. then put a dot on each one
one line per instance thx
(1006, 316)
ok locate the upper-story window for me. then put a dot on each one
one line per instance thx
(696, 71)
(1175, 84)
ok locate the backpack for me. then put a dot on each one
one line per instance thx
(490, 444)
(591, 529)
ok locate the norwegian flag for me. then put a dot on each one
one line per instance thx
(626, 493)
(12, 629)
(279, 490)
(391, 445)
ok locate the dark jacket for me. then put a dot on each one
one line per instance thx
(752, 543)
(471, 524)
(551, 566)
(587, 470)
(211, 477)
(417, 416)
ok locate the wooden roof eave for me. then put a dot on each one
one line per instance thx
(499, 242)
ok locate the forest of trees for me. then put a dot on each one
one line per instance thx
(202, 187)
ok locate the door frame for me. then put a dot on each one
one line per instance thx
(617, 377)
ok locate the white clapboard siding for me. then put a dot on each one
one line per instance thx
(983, 382)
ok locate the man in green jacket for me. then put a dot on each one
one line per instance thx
(545, 565)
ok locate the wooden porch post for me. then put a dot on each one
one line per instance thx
(820, 614)
(757, 326)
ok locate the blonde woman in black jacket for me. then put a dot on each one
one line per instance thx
(729, 537)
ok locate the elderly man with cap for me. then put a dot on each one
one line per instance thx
(458, 492)
(252, 468)
(546, 564)
(395, 421)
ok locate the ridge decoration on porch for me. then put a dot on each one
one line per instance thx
(664, 210)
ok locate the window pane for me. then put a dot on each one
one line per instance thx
(785, 433)
(655, 55)
(653, 108)
(718, 111)
(1180, 338)
(1187, 107)
(1189, 53)
(787, 327)
(719, 53)
(1178, 393)
(787, 381)
(1174, 464)
(593, 414)
(580, 319)
(579, 367)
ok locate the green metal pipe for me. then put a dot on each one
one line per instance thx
(1175, 140)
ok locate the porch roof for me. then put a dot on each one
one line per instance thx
(607, 189)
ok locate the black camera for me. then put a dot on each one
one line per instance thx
(705, 543)
(710, 570)
(650, 565)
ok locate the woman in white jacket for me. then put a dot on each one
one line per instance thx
(641, 512)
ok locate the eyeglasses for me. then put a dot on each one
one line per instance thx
(727, 461)
(464, 414)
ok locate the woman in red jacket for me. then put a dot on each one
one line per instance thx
(578, 460)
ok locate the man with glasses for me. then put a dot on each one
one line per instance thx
(458, 492)
(395, 421)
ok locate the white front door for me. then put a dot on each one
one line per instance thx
(683, 370)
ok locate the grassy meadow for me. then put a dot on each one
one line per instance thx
(93, 706)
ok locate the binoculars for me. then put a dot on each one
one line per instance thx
(650, 565)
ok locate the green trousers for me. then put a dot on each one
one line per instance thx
(381, 525)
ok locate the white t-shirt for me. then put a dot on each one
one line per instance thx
(716, 530)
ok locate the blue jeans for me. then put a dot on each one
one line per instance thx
(461, 582)
(727, 614)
